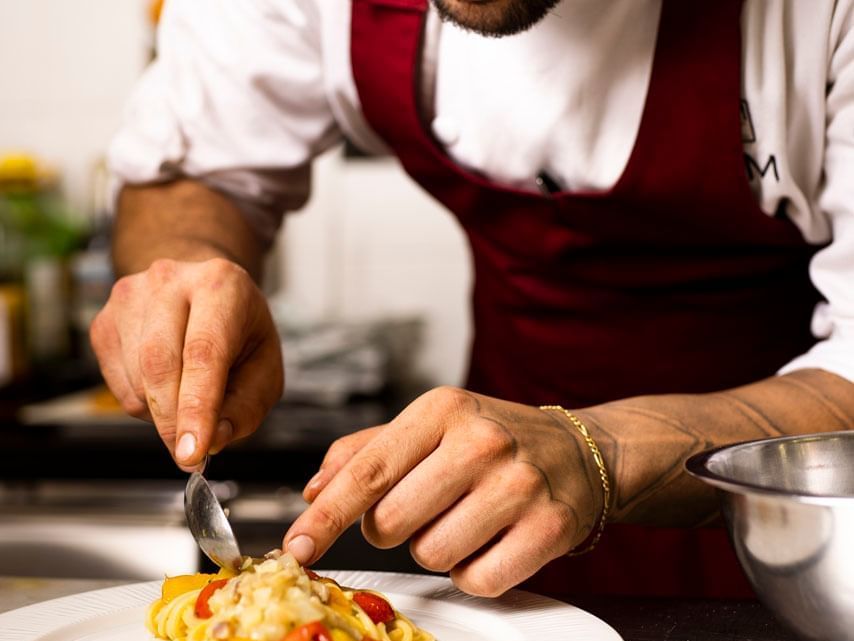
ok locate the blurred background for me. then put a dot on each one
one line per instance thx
(368, 286)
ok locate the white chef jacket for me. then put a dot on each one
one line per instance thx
(245, 94)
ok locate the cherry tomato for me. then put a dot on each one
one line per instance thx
(202, 610)
(314, 631)
(376, 607)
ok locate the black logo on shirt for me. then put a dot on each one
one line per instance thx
(748, 133)
(748, 136)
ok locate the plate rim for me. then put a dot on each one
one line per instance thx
(516, 606)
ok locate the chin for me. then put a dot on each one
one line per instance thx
(494, 17)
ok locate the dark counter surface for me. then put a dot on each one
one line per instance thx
(286, 449)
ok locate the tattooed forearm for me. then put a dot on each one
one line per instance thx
(646, 440)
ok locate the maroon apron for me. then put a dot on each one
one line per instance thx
(672, 281)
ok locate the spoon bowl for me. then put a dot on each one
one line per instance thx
(209, 525)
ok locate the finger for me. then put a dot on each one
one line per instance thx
(159, 361)
(337, 456)
(465, 528)
(360, 483)
(522, 550)
(214, 337)
(106, 344)
(254, 387)
(434, 485)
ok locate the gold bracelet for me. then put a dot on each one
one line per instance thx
(603, 475)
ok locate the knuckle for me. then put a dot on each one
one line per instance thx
(162, 269)
(384, 525)
(98, 331)
(158, 361)
(122, 289)
(201, 352)
(133, 405)
(526, 480)
(481, 582)
(556, 526)
(370, 473)
(491, 441)
(431, 553)
(340, 449)
(193, 404)
(330, 518)
(220, 268)
(450, 400)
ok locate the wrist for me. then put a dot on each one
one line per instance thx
(182, 220)
(131, 258)
(596, 471)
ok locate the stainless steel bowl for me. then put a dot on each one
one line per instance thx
(789, 506)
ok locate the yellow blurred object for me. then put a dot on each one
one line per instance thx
(155, 8)
(13, 347)
(18, 168)
(103, 400)
(22, 169)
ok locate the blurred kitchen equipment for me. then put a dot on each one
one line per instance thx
(90, 267)
(123, 530)
(209, 524)
(788, 504)
(330, 362)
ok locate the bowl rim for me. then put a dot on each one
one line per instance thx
(698, 466)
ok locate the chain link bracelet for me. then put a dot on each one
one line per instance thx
(603, 475)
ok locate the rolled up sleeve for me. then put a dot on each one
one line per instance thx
(832, 268)
(235, 98)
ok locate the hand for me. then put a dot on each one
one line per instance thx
(192, 347)
(485, 489)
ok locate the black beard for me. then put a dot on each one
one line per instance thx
(516, 16)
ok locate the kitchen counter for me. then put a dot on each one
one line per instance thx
(634, 619)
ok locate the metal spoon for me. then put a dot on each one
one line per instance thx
(209, 524)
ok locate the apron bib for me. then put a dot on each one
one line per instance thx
(672, 281)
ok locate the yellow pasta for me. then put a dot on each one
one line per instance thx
(274, 599)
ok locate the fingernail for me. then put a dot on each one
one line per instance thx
(302, 547)
(222, 437)
(186, 447)
(315, 481)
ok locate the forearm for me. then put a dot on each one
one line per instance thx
(645, 440)
(181, 220)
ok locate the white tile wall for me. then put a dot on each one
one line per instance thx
(66, 70)
(369, 244)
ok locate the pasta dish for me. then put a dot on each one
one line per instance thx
(274, 599)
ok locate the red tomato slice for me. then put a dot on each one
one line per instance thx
(314, 631)
(376, 607)
(202, 610)
(314, 576)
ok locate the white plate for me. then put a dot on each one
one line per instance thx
(432, 602)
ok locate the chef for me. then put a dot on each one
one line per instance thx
(659, 201)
